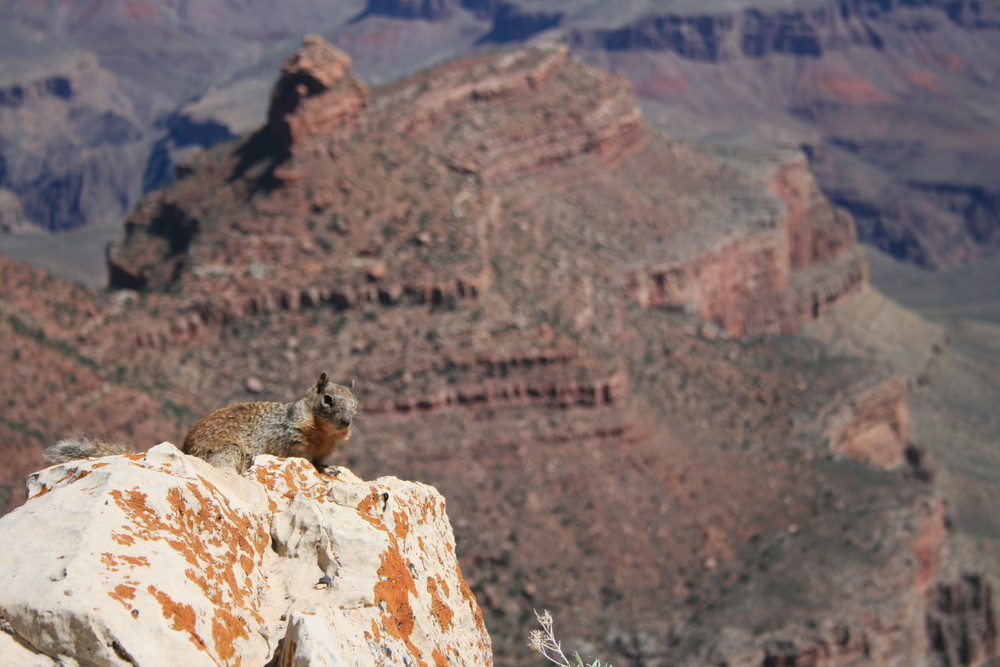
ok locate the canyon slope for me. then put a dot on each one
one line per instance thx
(895, 101)
(582, 332)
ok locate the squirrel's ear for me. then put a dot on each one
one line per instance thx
(321, 383)
(351, 386)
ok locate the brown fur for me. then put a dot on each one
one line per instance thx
(312, 428)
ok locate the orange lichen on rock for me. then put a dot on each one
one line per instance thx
(295, 476)
(123, 594)
(395, 584)
(367, 506)
(402, 524)
(396, 592)
(198, 553)
(215, 541)
(226, 628)
(438, 590)
(123, 539)
(112, 561)
(470, 600)
(392, 595)
(134, 561)
(75, 475)
(181, 615)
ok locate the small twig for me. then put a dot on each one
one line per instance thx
(544, 641)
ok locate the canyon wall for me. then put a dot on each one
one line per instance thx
(72, 140)
(860, 83)
(503, 351)
(771, 281)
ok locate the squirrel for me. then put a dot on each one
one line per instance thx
(311, 428)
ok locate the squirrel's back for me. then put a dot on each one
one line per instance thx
(231, 436)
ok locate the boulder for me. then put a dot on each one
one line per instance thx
(159, 558)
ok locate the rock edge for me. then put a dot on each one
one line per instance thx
(160, 558)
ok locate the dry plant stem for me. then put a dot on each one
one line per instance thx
(544, 641)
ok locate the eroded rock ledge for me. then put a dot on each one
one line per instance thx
(159, 558)
(769, 279)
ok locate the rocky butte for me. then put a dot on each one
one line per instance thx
(580, 330)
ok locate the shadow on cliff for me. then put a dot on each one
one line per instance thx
(259, 157)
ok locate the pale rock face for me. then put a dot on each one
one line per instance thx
(13, 653)
(159, 558)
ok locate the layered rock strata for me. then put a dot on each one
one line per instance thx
(770, 280)
(746, 277)
(484, 306)
(607, 125)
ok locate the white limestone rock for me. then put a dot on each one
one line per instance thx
(161, 559)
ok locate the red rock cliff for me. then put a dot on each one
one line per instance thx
(769, 279)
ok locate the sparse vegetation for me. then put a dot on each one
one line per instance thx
(37, 334)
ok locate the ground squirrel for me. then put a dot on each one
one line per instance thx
(311, 427)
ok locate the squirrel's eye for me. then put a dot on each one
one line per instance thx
(328, 399)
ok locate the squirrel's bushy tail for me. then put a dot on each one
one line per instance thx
(70, 449)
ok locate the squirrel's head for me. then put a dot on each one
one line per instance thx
(335, 403)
